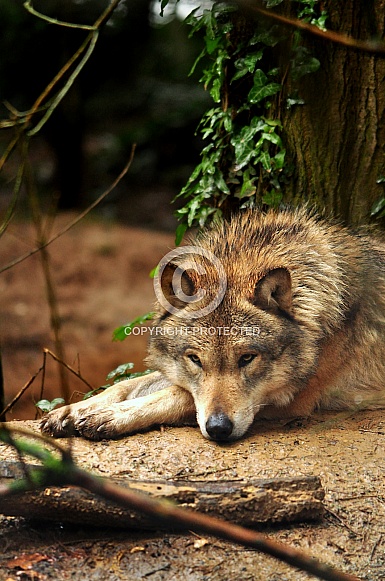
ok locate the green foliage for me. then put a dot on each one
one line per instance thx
(47, 406)
(121, 333)
(378, 208)
(244, 162)
(121, 373)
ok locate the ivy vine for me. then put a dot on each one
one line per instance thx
(244, 162)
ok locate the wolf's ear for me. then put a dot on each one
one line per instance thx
(177, 286)
(273, 292)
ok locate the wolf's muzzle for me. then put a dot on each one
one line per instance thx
(219, 427)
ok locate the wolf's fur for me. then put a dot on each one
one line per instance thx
(313, 296)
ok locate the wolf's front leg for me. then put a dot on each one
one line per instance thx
(172, 405)
(126, 407)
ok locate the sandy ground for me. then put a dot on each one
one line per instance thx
(101, 275)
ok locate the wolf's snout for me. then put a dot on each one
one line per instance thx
(219, 427)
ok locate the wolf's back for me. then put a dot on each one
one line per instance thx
(334, 271)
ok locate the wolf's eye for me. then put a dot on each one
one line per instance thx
(246, 359)
(195, 359)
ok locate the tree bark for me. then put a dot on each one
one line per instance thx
(336, 140)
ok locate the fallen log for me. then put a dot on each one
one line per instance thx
(252, 503)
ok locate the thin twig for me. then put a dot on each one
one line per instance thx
(341, 520)
(75, 220)
(11, 146)
(370, 46)
(378, 541)
(15, 196)
(71, 369)
(20, 393)
(51, 295)
(42, 383)
(62, 93)
(46, 352)
(28, 6)
(2, 402)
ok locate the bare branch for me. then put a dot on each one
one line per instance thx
(91, 41)
(42, 383)
(21, 392)
(87, 47)
(28, 6)
(71, 369)
(75, 220)
(370, 46)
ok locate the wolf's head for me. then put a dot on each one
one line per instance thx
(238, 357)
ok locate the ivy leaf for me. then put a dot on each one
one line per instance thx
(248, 187)
(119, 374)
(272, 137)
(310, 66)
(279, 159)
(122, 332)
(246, 134)
(303, 63)
(378, 207)
(215, 90)
(47, 406)
(212, 44)
(241, 73)
(291, 101)
(154, 271)
(194, 206)
(220, 182)
(321, 21)
(269, 37)
(272, 198)
(227, 123)
(180, 232)
(262, 88)
(120, 370)
(273, 123)
(265, 160)
(244, 151)
(247, 64)
(206, 131)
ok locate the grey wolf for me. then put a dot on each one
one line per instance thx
(300, 327)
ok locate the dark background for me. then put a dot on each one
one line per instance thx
(134, 89)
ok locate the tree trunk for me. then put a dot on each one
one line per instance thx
(336, 140)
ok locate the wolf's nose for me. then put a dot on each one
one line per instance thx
(219, 426)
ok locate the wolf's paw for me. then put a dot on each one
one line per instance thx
(59, 423)
(104, 423)
(63, 422)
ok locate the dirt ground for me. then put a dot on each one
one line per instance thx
(347, 452)
(101, 274)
